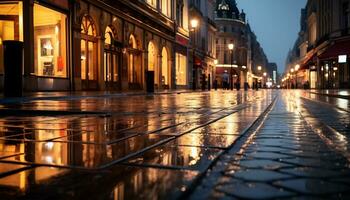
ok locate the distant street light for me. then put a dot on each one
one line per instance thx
(265, 74)
(259, 68)
(194, 25)
(231, 46)
(296, 68)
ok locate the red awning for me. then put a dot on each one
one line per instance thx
(311, 60)
(338, 48)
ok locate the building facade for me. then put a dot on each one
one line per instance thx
(320, 57)
(232, 31)
(203, 48)
(99, 44)
(246, 62)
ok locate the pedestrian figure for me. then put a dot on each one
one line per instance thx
(225, 77)
(238, 84)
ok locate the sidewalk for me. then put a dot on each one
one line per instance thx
(344, 94)
(283, 159)
(32, 96)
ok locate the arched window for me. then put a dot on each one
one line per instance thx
(165, 70)
(132, 42)
(89, 72)
(109, 35)
(87, 26)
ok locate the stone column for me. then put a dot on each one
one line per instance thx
(30, 82)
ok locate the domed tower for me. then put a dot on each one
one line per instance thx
(231, 43)
(227, 9)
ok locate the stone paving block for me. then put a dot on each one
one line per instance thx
(267, 155)
(256, 175)
(310, 172)
(253, 191)
(263, 164)
(313, 186)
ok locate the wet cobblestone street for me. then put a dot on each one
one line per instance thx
(200, 145)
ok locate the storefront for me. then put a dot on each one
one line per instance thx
(334, 66)
(181, 62)
(46, 46)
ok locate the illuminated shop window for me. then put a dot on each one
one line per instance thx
(181, 69)
(50, 48)
(11, 26)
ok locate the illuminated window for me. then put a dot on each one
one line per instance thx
(108, 36)
(152, 3)
(50, 42)
(165, 68)
(88, 50)
(181, 69)
(11, 26)
(166, 8)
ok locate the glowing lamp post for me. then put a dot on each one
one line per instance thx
(194, 25)
(231, 47)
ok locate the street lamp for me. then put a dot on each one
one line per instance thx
(259, 68)
(297, 67)
(231, 46)
(194, 25)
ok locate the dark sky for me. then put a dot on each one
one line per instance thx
(276, 24)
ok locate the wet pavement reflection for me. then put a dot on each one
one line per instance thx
(144, 147)
(300, 151)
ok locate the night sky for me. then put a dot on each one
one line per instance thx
(276, 24)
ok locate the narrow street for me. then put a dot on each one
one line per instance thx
(222, 144)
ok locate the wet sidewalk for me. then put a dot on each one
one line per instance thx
(139, 147)
(284, 158)
(344, 93)
(35, 96)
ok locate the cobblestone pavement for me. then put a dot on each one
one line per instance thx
(299, 151)
(132, 147)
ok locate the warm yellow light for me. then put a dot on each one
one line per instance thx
(194, 23)
(265, 74)
(259, 68)
(288, 74)
(292, 70)
(216, 61)
(231, 46)
(335, 68)
(297, 67)
(244, 67)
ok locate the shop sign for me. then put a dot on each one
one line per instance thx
(342, 58)
(181, 40)
(60, 3)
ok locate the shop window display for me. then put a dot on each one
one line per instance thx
(50, 42)
(11, 25)
(181, 69)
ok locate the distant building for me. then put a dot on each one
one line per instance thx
(320, 56)
(202, 59)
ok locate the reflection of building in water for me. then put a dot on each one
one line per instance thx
(24, 179)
